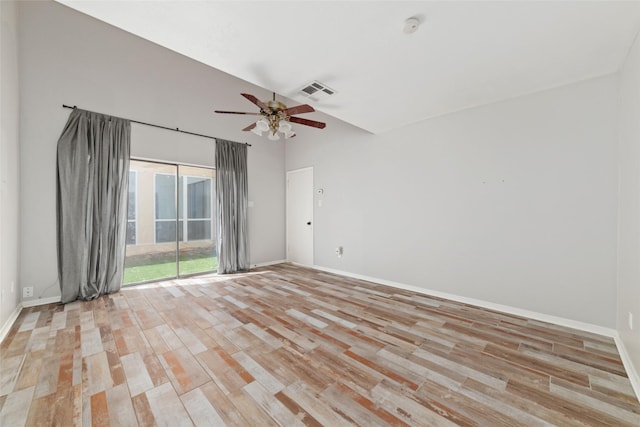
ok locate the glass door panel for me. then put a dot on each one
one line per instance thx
(197, 244)
(151, 251)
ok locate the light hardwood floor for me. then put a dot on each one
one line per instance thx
(291, 346)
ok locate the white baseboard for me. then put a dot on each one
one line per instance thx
(40, 301)
(632, 373)
(266, 264)
(561, 321)
(10, 321)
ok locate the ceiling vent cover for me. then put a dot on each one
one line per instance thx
(316, 91)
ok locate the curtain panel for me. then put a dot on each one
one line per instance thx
(231, 202)
(92, 184)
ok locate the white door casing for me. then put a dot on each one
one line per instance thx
(300, 216)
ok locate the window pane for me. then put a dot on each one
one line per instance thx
(131, 206)
(199, 230)
(166, 231)
(165, 196)
(131, 233)
(199, 197)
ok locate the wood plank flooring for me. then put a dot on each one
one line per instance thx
(291, 346)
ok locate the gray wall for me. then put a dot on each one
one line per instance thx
(629, 205)
(69, 58)
(9, 161)
(512, 203)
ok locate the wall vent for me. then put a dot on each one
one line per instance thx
(316, 91)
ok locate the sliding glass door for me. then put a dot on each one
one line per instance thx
(171, 229)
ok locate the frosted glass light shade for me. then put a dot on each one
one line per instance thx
(262, 125)
(273, 136)
(284, 126)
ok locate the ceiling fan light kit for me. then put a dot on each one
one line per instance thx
(276, 118)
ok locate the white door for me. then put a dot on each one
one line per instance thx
(300, 216)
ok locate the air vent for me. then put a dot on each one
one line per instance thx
(316, 91)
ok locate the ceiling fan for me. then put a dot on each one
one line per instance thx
(276, 117)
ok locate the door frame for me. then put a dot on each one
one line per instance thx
(287, 202)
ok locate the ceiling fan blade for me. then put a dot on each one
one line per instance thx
(251, 126)
(299, 109)
(307, 122)
(236, 112)
(256, 101)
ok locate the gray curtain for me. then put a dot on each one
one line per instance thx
(93, 178)
(231, 203)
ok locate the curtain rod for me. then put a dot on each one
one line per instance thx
(158, 126)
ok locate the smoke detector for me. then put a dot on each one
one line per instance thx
(411, 25)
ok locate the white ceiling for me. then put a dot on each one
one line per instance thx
(464, 54)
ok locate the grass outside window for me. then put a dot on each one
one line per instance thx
(167, 269)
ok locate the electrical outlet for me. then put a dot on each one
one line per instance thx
(27, 292)
(630, 321)
(339, 251)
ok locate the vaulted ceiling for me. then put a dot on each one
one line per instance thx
(462, 55)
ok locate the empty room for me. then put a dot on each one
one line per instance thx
(321, 213)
